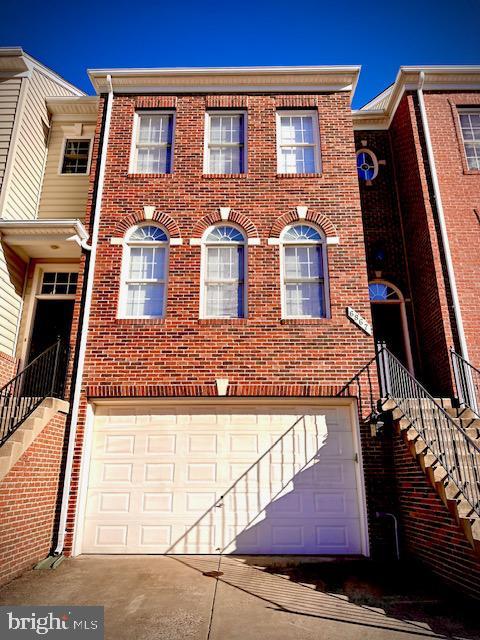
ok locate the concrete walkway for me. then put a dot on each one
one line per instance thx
(170, 598)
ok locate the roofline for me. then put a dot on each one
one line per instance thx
(450, 77)
(30, 62)
(167, 71)
(227, 79)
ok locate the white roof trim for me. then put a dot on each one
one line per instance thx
(42, 227)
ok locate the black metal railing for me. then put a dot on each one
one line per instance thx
(457, 453)
(467, 382)
(42, 377)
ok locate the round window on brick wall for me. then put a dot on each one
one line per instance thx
(367, 165)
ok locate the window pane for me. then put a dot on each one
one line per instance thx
(224, 263)
(59, 282)
(297, 160)
(145, 299)
(303, 262)
(155, 129)
(147, 263)
(154, 160)
(226, 160)
(305, 299)
(226, 129)
(75, 159)
(224, 300)
(296, 129)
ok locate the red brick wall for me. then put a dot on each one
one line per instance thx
(428, 532)
(382, 226)
(28, 496)
(460, 191)
(8, 368)
(428, 291)
(259, 352)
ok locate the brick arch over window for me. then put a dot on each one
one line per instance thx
(319, 219)
(135, 218)
(215, 217)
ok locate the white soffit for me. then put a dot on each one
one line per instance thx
(218, 80)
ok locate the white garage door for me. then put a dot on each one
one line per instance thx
(270, 480)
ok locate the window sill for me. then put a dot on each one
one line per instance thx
(149, 176)
(140, 321)
(471, 172)
(214, 321)
(299, 175)
(303, 320)
(227, 176)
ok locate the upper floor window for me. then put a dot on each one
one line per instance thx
(470, 124)
(298, 143)
(153, 143)
(76, 156)
(304, 269)
(224, 267)
(144, 277)
(367, 165)
(225, 142)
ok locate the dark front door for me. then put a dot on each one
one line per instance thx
(53, 320)
(388, 328)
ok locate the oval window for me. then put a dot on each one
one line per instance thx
(367, 164)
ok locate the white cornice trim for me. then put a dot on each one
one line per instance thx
(221, 80)
(437, 78)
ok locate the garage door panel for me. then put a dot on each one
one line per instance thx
(156, 481)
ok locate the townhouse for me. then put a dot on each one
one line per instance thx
(213, 245)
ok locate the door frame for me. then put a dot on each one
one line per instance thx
(34, 295)
(244, 402)
(403, 317)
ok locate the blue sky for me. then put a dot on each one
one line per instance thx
(71, 36)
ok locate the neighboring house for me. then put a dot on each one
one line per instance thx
(200, 244)
(25, 127)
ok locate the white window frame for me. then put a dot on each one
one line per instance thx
(206, 145)
(135, 131)
(299, 243)
(466, 111)
(124, 280)
(203, 270)
(62, 155)
(313, 113)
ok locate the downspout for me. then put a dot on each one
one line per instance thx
(441, 220)
(84, 331)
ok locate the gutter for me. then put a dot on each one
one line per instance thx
(441, 220)
(77, 387)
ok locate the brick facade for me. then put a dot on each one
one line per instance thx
(261, 355)
(428, 532)
(8, 368)
(28, 500)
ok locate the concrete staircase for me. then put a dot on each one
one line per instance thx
(420, 447)
(26, 433)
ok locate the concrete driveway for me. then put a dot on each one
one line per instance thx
(171, 598)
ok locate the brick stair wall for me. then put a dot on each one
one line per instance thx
(428, 530)
(28, 500)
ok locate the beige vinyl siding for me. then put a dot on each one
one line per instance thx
(63, 196)
(27, 172)
(9, 94)
(12, 275)
(22, 185)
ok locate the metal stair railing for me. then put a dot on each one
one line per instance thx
(40, 379)
(457, 453)
(467, 382)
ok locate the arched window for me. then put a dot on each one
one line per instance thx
(223, 273)
(383, 292)
(304, 272)
(144, 278)
(367, 164)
